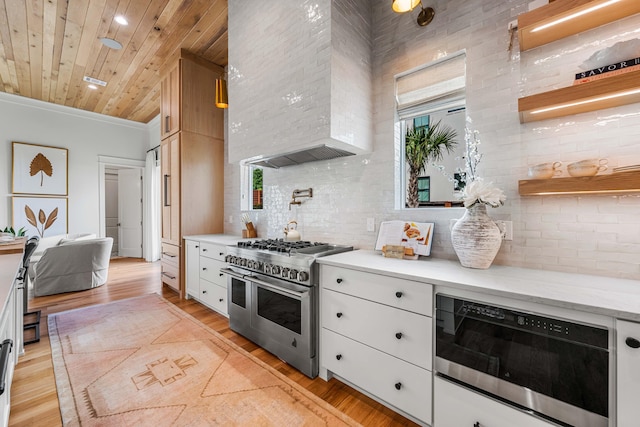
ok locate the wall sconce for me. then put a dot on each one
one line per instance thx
(222, 100)
(424, 17)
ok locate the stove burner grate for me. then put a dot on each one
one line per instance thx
(278, 245)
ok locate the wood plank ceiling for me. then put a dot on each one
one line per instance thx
(48, 46)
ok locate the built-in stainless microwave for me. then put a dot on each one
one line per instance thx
(555, 368)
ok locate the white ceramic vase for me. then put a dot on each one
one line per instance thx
(476, 238)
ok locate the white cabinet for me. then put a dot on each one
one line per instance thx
(628, 372)
(204, 280)
(10, 328)
(376, 334)
(456, 406)
(192, 271)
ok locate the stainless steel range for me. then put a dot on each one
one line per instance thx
(273, 297)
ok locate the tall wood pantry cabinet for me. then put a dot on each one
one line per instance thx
(192, 160)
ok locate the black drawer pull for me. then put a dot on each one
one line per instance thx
(476, 424)
(398, 386)
(399, 294)
(197, 246)
(338, 356)
(204, 268)
(221, 299)
(632, 342)
(339, 280)
(221, 253)
(221, 274)
(204, 292)
(399, 335)
(204, 250)
(4, 363)
(339, 315)
(168, 254)
(169, 276)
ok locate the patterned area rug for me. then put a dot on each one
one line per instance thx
(144, 362)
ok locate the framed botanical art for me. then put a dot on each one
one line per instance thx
(39, 169)
(40, 216)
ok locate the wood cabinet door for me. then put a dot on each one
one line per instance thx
(170, 103)
(170, 166)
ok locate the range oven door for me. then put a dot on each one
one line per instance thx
(557, 368)
(239, 302)
(284, 314)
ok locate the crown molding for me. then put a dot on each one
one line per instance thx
(70, 111)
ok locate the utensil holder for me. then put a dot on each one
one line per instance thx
(250, 231)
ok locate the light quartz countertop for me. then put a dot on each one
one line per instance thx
(219, 239)
(613, 297)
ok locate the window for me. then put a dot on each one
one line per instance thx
(251, 187)
(425, 96)
(424, 182)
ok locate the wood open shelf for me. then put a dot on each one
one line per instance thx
(527, 22)
(581, 98)
(615, 183)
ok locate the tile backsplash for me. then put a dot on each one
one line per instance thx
(594, 234)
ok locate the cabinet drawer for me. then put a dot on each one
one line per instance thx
(400, 384)
(210, 270)
(170, 275)
(398, 332)
(170, 254)
(457, 406)
(401, 293)
(211, 250)
(214, 296)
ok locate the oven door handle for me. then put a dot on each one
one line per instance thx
(232, 273)
(278, 289)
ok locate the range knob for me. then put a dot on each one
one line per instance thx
(267, 268)
(242, 262)
(285, 273)
(293, 274)
(227, 258)
(303, 276)
(275, 269)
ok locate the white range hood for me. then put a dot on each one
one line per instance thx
(299, 81)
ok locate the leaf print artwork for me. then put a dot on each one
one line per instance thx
(40, 164)
(44, 221)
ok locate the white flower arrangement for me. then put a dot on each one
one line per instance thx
(476, 190)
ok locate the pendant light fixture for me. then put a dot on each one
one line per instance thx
(424, 17)
(222, 100)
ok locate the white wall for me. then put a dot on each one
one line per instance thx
(86, 136)
(588, 234)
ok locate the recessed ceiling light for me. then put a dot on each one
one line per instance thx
(94, 87)
(121, 20)
(113, 44)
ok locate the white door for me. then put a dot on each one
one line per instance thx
(130, 212)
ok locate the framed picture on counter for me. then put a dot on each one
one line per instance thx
(40, 216)
(39, 169)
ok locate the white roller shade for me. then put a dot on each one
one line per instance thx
(430, 87)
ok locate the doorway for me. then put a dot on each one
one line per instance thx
(121, 206)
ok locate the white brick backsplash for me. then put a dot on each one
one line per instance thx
(587, 234)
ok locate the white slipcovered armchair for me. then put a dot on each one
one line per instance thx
(69, 263)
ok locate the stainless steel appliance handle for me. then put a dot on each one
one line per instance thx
(277, 289)
(232, 273)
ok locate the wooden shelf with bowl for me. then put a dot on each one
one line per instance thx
(568, 17)
(615, 183)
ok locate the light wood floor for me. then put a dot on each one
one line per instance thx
(34, 400)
